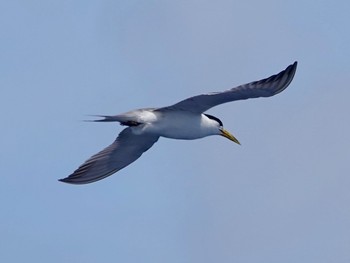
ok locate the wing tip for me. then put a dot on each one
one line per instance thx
(64, 180)
(291, 70)
(288, 75)
(293, 67)
(68, 180)
(78, 179)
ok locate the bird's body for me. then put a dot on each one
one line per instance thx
(184, 120)
(176, 124)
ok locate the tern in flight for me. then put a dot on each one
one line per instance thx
(184, 120)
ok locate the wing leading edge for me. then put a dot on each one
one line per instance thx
(262, 88)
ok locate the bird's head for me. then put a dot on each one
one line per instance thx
(220, 129)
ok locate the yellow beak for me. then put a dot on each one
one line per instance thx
(229, 136)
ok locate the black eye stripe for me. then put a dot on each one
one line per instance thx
(214, 118)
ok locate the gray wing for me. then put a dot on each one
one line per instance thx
(262, 88)
(127, 148)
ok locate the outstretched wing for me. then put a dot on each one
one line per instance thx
(262, 88)
(127, 148)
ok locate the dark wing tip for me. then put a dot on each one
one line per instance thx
(289, 72)
(69, 180)
(64, 180)
(282, 79)
(79, 177)
(291, 69)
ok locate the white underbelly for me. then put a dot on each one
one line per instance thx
(180, 126)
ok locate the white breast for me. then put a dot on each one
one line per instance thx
(182, 125)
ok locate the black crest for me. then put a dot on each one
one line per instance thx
(215, 119)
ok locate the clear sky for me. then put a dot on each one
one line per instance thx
(283, 196)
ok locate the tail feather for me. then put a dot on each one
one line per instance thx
(106, 118)
(134, 117)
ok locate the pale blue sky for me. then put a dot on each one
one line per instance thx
(283, 196)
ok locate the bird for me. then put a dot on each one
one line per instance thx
(184, 120)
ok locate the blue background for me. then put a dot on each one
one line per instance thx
(283, 196)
